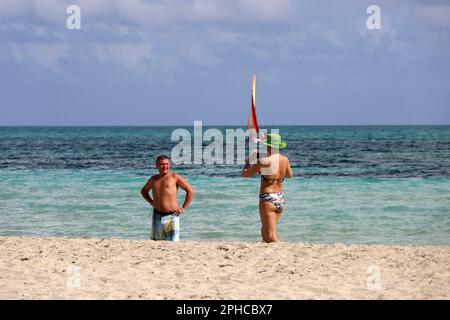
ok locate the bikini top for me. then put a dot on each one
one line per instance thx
(271, 181)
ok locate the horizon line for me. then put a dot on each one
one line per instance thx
(221, 125)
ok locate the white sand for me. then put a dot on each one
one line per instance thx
(42, 268)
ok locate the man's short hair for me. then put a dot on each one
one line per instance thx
(162, 157)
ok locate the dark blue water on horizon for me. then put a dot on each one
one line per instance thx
(368, 151)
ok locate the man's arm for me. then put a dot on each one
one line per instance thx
(189, 193)
(146, 189)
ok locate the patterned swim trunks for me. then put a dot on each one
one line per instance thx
(277, 199)
(165, 226)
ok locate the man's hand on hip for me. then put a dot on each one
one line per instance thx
(179, 211)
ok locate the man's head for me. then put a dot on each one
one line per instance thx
(163, 164)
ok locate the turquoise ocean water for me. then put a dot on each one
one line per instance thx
(381, 184)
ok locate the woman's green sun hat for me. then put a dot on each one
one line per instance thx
(274, 141)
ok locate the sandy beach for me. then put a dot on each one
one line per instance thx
(59, 268)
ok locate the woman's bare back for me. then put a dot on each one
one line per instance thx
(273, 171)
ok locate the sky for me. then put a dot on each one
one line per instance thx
(171, 62)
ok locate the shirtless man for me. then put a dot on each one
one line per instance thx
(273, 169)
(164, 186)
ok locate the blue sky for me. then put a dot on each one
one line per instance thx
(170, 62)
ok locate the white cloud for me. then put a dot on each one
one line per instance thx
(151, 13)
(13, 7)
(257, 54)
(437, 42)
(402, 52)
(435, 15)
(176, 12)
(55, 10)
(327, 82)
(17, 53)
(161, 12)
(266, 9)
(333, 38)
(135, 56)
(123, 31)
(291, 39)
(96, 7)
(40, 31)
(47, 55)
(100, 26)
(376, 38)
(210, 9)
(224, 37)
(196, 38)
(201, 56)
(18, 27)
(52, 10)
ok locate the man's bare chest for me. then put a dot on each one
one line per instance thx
(166, 185)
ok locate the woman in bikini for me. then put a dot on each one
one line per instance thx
(273, 169)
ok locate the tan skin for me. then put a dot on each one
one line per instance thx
(164, 187)
(268, 167)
